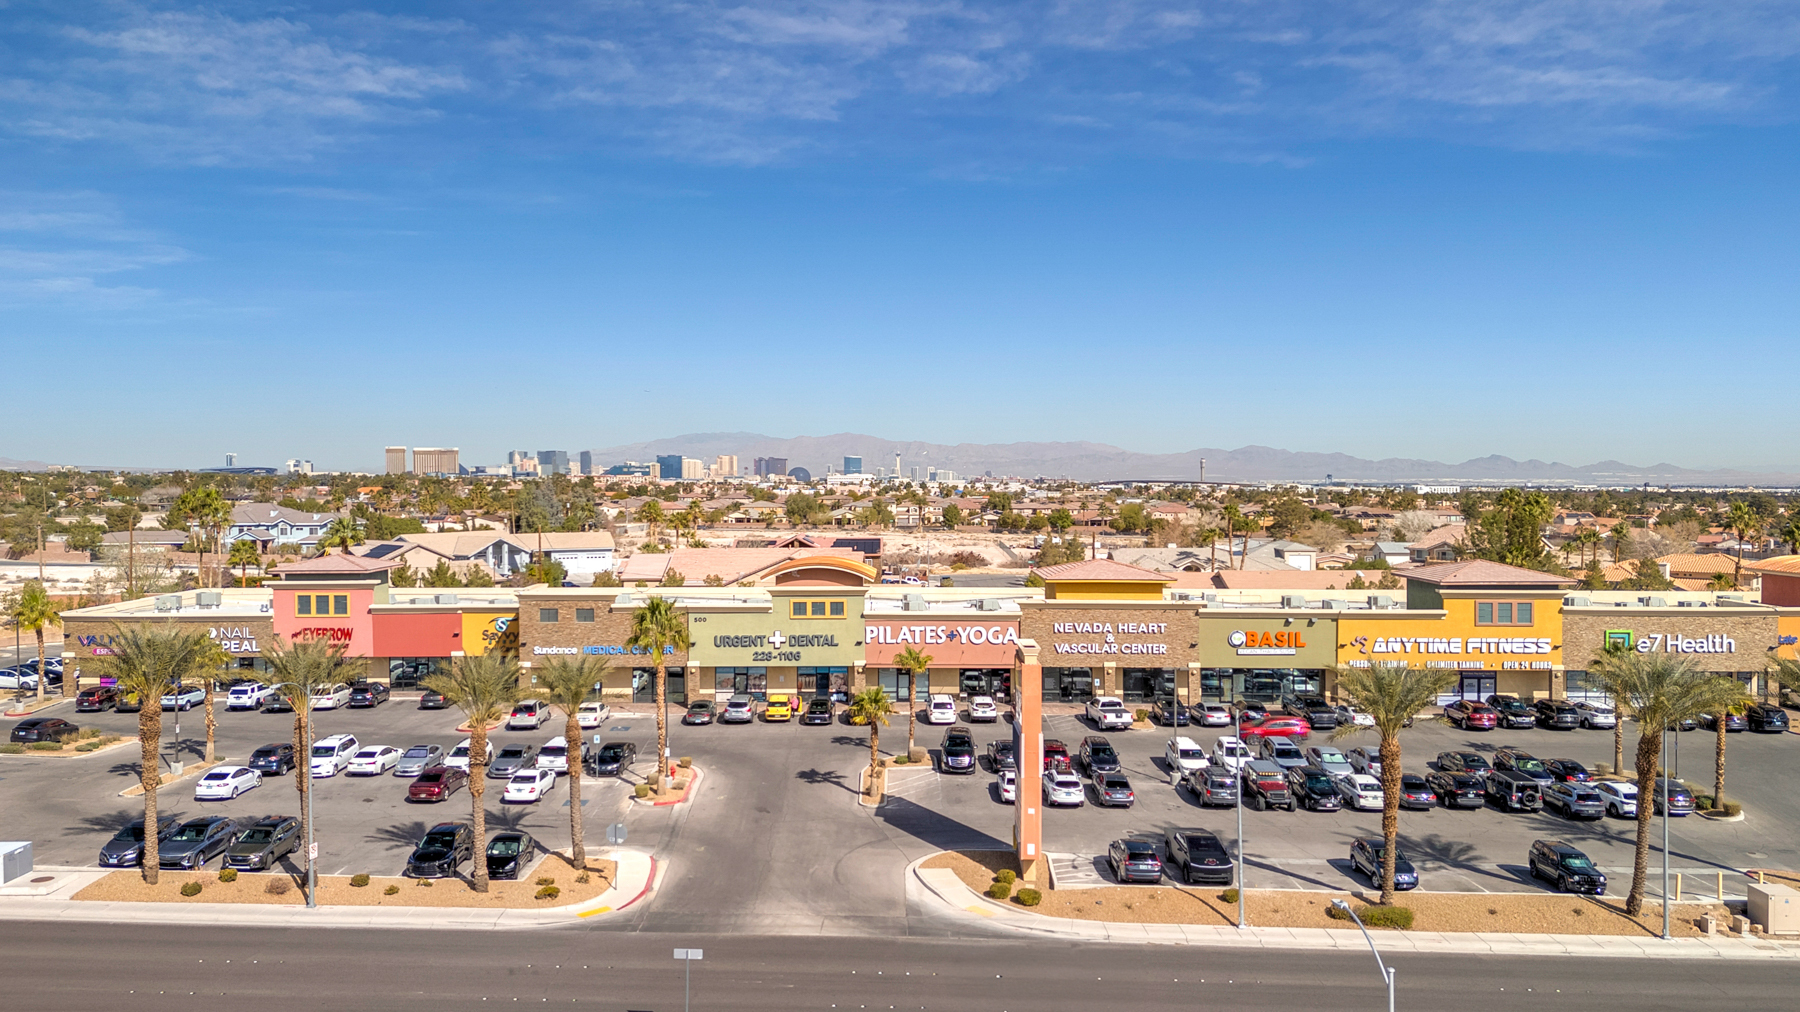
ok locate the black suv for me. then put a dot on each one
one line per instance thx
(1000, 756)
(1566, 868)
(267, 841)
(1318, 713)
(1196, 855)
(1515, 792)
(1766, 717)
(956, 753)
(819, 710)
(1313, 789)
(95, 698)
(1558, 715)
(275, 757)
(1097, 756)
(1169, 713)
(1463, 762)
(368, 694)
(442, 851)
(1456, 789)
(613, 759)
(1520, 761)
(1514, 712)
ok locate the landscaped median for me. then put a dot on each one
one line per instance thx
(89, 743)
(1513, 913)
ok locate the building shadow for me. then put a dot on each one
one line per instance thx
(935, 828)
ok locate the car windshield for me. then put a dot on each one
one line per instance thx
(1529, 765)
(613, 751)
(191, 832)
(506, 846)
(258, 836)
(512, 751)
(1577, 862)
(418, 752)
(438, 841)
(1318, 782)
(1236, 751)
(1330, 755)
(132, 833)
(553, 750)
(1191, 753)
(324, 751)
(460, 750)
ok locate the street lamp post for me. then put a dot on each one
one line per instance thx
(1387, 972)
(1665, 845)
(1239, 794)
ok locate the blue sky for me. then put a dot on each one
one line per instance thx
(1432, 229)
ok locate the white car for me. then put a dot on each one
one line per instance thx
(1330, 760)
(554, 756)
(982, 710)
(592, 715)
(941, 709)
(1183, 756)
(222, 783)
(373, 760)
(13, 678)
(459, 756)
(331, 756)
(527, 715)
(248, 696)
(1009, 786)
(1064, 789)
(527, 786)
(1366, 760)
(332, 698)
(1210, 715)
(1598, 716)
(1231, 753)
(1621, 797)
(1347, 714)
(1360, 791)
(1108, 713)
(182, 698)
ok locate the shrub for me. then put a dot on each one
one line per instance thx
(1000, 890)
(190, 889)
(1231, 896)
(901, 760)
(359, 879)
(545, 881)
(685, 762)
(1376, 917)
(88, 732)
(641, 790)
(1030, 897)
(548, 893)
(390, 890)
(1733, 808)
(87, 746)
(425, 882)
(46, 746)
(11, 748)
(1006, 875)
(1141, 716)
(277, 886)
(584, 878)
(228, 874)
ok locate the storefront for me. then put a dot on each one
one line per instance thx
(807, 641)
(1262, 656)
(595, 625)
(971, 651)
(1735, 641)
(1139, 651)
(1508, 642)
(238, 621)
(419, 634)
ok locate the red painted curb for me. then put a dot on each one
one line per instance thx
(699, 775)
(648, 882)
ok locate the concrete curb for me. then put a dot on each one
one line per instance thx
(960, 899)
(136, 790)
(693, 785)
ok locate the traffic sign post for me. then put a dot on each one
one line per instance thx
(687, 957)
(615, 835)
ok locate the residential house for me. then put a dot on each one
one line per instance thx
(1394, 553)
(270, 525)
(1442, 545)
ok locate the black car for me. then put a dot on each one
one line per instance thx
(1248, 712)
(197, 842)
(1518, 760)
(96, 698)
(956, 753)
(368, 694)
(1198, 857)
(126, 848)
(1318, 713)
(1169, 713)
(1097, 756)
(1734, 722)
(508, 853)
(268, 840)
(445, 847)
(1568, 771)
(431, 699)
(44, 729)
(275, 757)
(1514, 712)
(1134, 861)
(1685, 724)
(1457, 789)
(700, 711)
(820, 710)
(1566, 868)
(1000, 756)
(1766, 717)
(1415, 793)
(613, 759)
(1365, 856)
(1462, 762)
(1514, 792)
(1313, 789)
(1558, 715)
(278, 703)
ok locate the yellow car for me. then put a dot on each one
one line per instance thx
(780, 708)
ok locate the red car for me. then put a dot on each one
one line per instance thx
(437, 784)
(1472, 715)
(1276, 727)
(1056, 756)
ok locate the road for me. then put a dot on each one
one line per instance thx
(86, 967)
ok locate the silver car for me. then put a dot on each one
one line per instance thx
(418, 759)
(1598, 716)
(512, 759)
(739, 709)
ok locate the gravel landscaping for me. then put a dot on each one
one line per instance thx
(1485, 912)
(336, 891)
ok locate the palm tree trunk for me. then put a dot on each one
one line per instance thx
(150, 776)
(1649, 751)
(662, 724)
(874, 756)
(1719, 764)
(1390, 814)
(43, 676)
(212, 723)
(1618, 742)
(302, 765)
(478, 876)
(577, 848)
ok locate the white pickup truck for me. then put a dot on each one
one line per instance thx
(1109, 714)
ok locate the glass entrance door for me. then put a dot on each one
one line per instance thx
(1479, 687)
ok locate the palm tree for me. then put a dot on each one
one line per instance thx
(565, 683)
(871, 706)
(344, 532)
(32, 613)
(1233, 517)
(483, 687)
(244, 555)
(1719, 756)
(1393, 694)
(1658, 690)
(207, 668)
(1588, 540)
(659, 630)
(213, 514)
(1790, 533)
(297, 672)
(914, 664)
(1742, 519)
(148, 664)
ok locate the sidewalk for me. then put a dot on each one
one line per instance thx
(637, 876)
(943, 886)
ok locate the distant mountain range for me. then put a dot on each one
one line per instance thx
(1100, 462)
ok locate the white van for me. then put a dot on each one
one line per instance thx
(331, 755)
(331, 698)
(1183, 755)
(941, 709)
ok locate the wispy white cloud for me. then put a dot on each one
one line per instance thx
(59, 246)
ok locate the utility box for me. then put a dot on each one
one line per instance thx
(15, 860)
(1774, 908)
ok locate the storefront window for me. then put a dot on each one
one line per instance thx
(833, 682)
(408, 672)
(643, 685)
(1068, 685)
(1215, 685)
(995, 682)
(1265, 685)
(754, 681)
(1144, 684)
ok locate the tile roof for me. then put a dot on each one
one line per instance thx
(264, 514)
(349, 565)
(1104, 570)
(1483, 573)
(1787, 565)
(1449, 534)
(1687, 565)
(1320, 579)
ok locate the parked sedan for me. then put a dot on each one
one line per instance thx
(418, 759)
(1734, 722)
(508, 853)
(1113, 790)
(437, 783)
(1463, 762)
(1471, 715)
(267, 841)
(1415, 793)
(1574, 801)
(1568, 770)
(591, 715)
(368, 694)
(1365, 856)
(431, 699)
(512, 758)
(1350, 716)
(1566, 868)
(444, 848)
(700, 711)
(373, 760)
(982, 710)
(36, 729)
(1360, 792)
(1064, 789)
(1330, 760)
(1210, 714)
(1134, 861)
(459, 756)
(197, 842)
(185, 697)
(224, 783)
(126, 848)
(820, 712)
(527, 786)
(1314, 790)
(1168, 713)
(1456, 789)
(1008, 782)
(1271, 727)
(1198, 857)
(1621, 797)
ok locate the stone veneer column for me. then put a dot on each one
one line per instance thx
(1028, 725)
